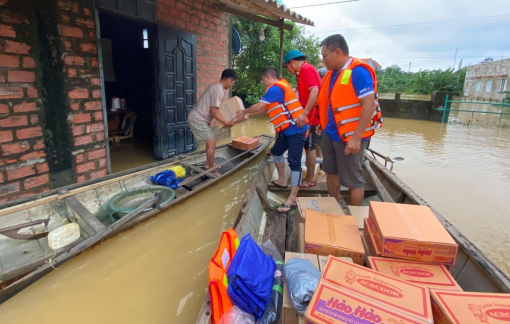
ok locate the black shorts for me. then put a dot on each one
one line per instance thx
(311, 141)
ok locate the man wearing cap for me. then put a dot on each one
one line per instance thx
(349, 114)
(308, 81)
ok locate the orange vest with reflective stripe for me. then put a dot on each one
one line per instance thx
(345, 103)
(282, 115)
(218, 283)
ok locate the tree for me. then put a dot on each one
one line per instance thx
(257, 55)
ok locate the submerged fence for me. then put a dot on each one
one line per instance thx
(448, 103)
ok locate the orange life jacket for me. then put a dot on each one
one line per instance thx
(345, 103)
(282, 115)
(218, 283)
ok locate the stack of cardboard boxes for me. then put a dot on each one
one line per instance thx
(407, 278)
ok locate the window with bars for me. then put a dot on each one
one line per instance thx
(502, 86)
(489, 85)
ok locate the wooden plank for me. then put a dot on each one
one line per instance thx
(292, 232)
(322, 188)
(301, 248)
(276, 230)
(270, 22)
(197, 169)
(85, 214)
(383, 193)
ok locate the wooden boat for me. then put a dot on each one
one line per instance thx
(84, 204)
(473, 270)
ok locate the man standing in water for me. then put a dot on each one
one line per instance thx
(284, 109)
(308, 83)
(349, 113)
(206, 109)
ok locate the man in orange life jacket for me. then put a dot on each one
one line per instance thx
(349, 113)
(283, 108)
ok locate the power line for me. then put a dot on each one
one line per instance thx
(324, 4)
(418, 23)
(438, 57)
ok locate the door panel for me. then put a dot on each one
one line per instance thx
(177, 87)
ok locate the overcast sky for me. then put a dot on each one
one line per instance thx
(474, 38)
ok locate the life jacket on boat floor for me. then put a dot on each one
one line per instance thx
(218, 266)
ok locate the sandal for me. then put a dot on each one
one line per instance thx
(290, 207)
(311, 184)
(275, 185)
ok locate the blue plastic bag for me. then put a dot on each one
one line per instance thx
(250, 278)
(166, 178)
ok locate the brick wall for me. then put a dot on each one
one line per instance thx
(36, 154)
(76, 27)
(23, 165)
(210, 27)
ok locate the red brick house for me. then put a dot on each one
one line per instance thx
(62, 62)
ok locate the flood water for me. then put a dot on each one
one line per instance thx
(157, 272)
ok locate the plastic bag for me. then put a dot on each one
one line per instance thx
(273, 310)
(302, 279)
(166, 178)
(236, 316)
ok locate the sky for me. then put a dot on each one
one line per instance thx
(425, 46)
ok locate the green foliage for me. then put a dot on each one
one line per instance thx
(257, 55)
(394, 79)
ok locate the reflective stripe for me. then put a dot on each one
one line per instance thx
(289, 102)
(366, 130)
(270, 110)
(294, 110)
(285, 113)
(346, 76)
(348, 107)
(225, 280)
(350, 120)
(282, 123)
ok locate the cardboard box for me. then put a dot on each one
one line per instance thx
(450, 307)
(395, 294)
(290, 316)
(228, 110)
(373, 245)
(323, 259)
(245, 143)
(327, 205)
(411, 232)
(334, 305)
(360, 213)
(333, 234)
(430, 275)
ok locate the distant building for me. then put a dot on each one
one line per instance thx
(487, 80)
(372, 63)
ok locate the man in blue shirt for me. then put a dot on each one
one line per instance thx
(291, 138)
(349, 114)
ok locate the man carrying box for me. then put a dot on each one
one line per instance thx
(349, 112)
(283, 108)
(308, 83)
(206, 109)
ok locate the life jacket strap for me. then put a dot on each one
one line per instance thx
(283, 113)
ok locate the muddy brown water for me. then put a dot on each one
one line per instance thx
(157, 272)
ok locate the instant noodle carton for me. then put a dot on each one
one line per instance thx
(430, 275)
(411, 232)
(245, 143)
(337, 235)
(450, 307)
(334, 304)
(374, 246)
(395, 295)
(327, 205)
(228, 109)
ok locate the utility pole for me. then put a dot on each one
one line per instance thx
(455, 58)
(410, 66)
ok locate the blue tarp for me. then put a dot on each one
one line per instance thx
(166, 178)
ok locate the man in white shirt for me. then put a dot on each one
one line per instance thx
(206, 109)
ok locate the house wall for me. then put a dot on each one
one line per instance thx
(51, 116)
(485, 73)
